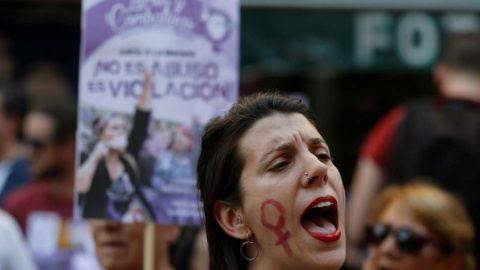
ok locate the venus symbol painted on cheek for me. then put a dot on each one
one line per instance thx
(282, 236)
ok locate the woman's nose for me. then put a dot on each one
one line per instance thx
(389, 246)
(315, 172)
(110, 225)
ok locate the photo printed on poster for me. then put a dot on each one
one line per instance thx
(152, 73)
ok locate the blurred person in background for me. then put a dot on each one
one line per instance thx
(6, 60)
(44, 82)
(432, 137)
(50, 136)
(419, 226)
(191, 250)
(43, 206)
(121, 246)
(13, 253)
(14, 166)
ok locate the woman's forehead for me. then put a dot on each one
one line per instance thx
(279, 129)
(399, 214)
(283, 123)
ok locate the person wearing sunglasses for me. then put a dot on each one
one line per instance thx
(49, 137)
(419, 226)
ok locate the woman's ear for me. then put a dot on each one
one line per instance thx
(231, 219)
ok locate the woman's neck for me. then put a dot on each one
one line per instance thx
(263, 263)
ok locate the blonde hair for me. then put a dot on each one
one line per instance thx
(441, 212)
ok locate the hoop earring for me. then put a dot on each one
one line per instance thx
(254, 245)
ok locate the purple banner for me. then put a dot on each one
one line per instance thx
(153, 72)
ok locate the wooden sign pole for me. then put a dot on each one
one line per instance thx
(149, 246)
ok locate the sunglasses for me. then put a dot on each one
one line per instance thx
(407, 240)
(35, 144)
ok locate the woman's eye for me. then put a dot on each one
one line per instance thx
(324, 157)
(279, 166)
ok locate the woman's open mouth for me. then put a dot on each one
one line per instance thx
(320, 219)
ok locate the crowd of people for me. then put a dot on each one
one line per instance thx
(37, 183)
(437, 138)
(272, 195)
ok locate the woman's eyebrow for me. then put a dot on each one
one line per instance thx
(317, 141)
(281, 147)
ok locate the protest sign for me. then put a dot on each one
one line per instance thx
(138, 135)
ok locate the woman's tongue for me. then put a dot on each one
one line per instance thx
(320, 225)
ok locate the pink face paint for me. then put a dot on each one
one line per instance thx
(282, 237)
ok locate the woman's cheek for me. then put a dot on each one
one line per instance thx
(273, 219)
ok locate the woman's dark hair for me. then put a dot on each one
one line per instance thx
(462, 52)
(13, 103)
(185, 246)
(220, 167)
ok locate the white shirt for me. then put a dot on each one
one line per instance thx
(13, 253)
